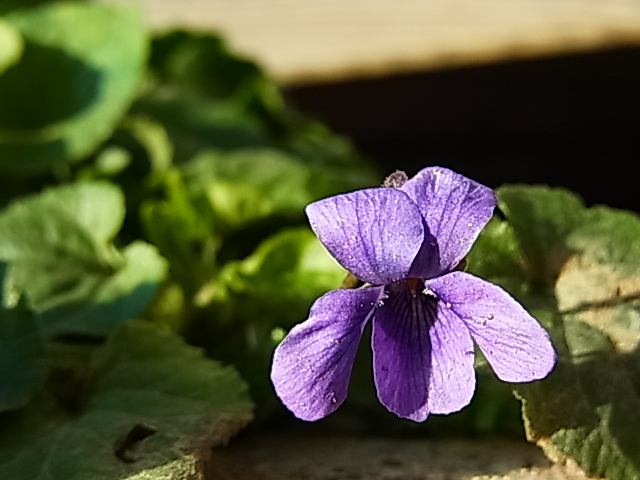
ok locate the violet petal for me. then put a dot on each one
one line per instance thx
(375, 233)
(453, 376)
(516, 346)
(312, 366)
(455, 209)
(402, 352)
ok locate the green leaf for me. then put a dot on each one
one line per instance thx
(203, 63)
(589, 407)
(57, 243)
(345, 168)
(94, 57)
(285, 274)
(139, 145)
(249, 184)
(195, 123)
(28, 425)
(11, 45)
(609, 236)
(109, 162)
(601, 284)
(22, 358)
(554, 212)
(118, 298)
(588, 410)
(60, 251)
(180, 231)
(155, 140)
(496, 257)
(7, 6)
(158, 406)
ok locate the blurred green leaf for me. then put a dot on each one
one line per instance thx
(11, 45)
(285, 274)
(341, 163)
(58, 245)
(245, 185)
(120, 297)
(93, 56)
(157, 408)
(195, 123)
(554, 212)
(155, 140)
(22, 357)
(203, 63)
(139, 147)
(588, 408)
(109, 162)
(180, 231)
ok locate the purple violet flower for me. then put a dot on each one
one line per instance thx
(406, 242)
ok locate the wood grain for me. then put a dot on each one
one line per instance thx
(311, 40)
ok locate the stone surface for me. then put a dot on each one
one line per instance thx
(290, 457)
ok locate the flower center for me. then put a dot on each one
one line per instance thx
(415, 286)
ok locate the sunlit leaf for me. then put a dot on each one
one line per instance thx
(122, 296)
(589, 406)
(153, 137)
(59, 248)
(11, 45)
(57, 243)
(249, 184)
(93, 58)
(554, 212)
(287, 272)
(109, 162)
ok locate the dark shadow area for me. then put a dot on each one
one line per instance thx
(46, 86)
(567, 121)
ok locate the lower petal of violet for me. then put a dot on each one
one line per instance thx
(402, 352)
(516, 346)
(312, 366)
(423, 360)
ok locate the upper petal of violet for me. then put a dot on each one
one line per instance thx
(516, 346)
(375, 233)
(312, 366)
(455, 210)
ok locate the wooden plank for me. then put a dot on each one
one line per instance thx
(321, 40)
